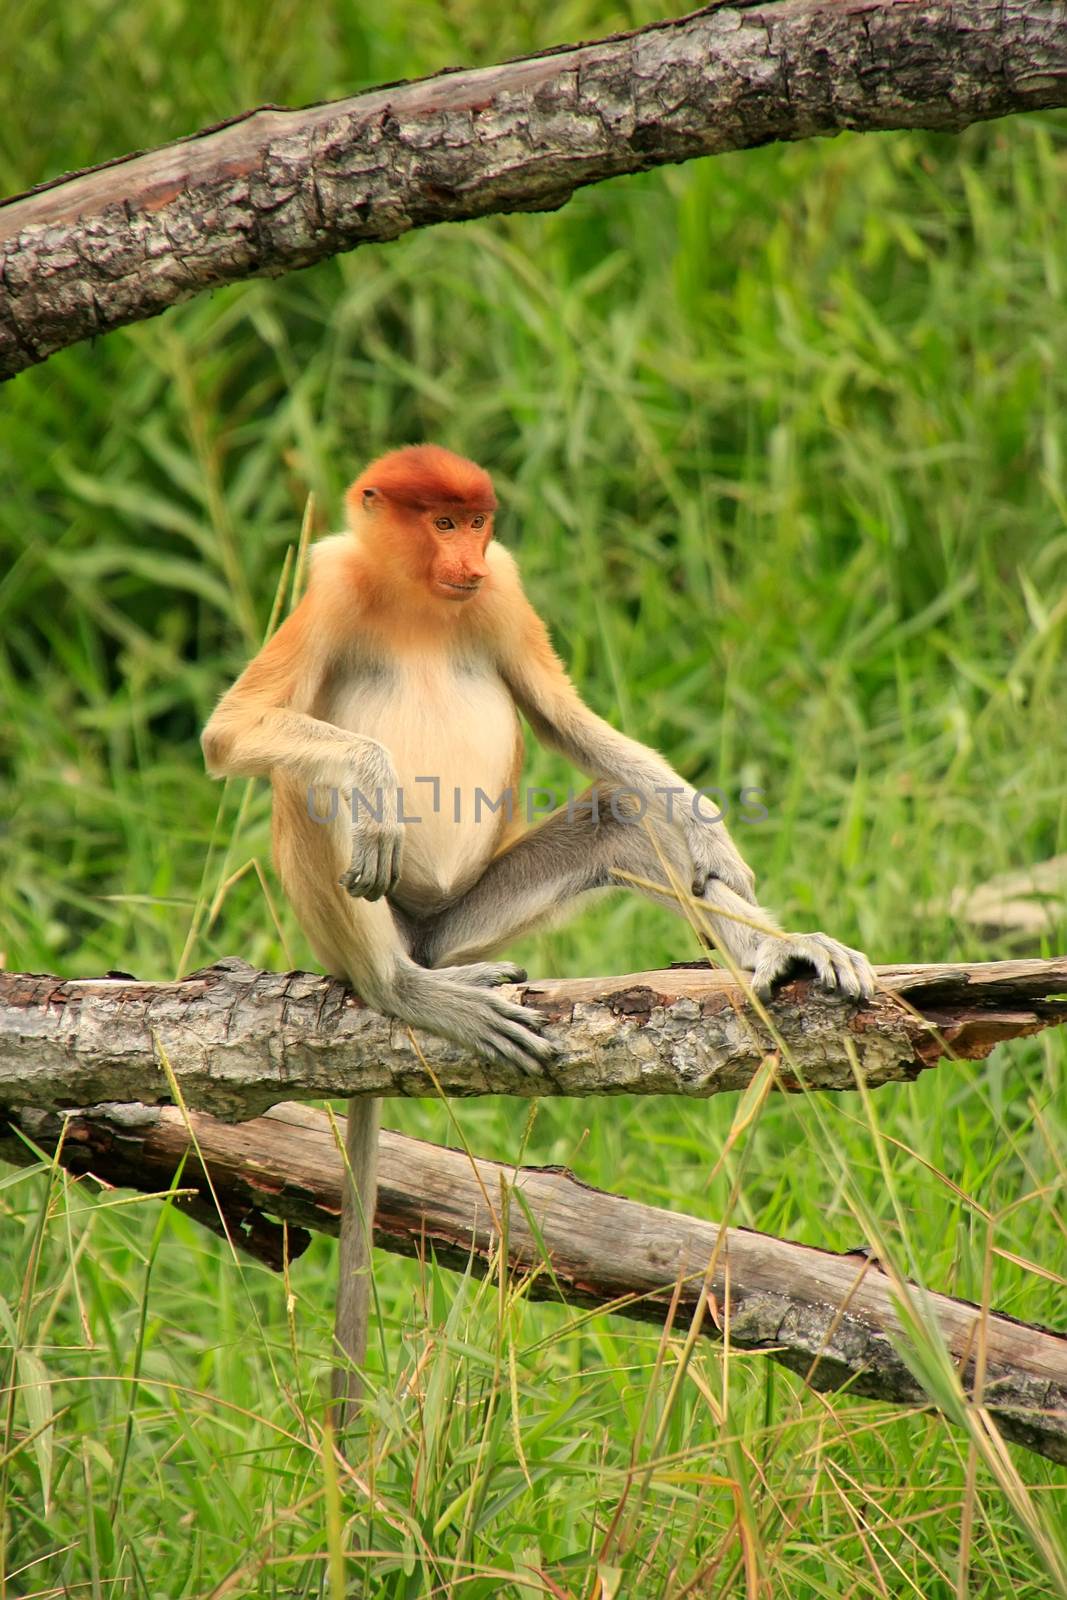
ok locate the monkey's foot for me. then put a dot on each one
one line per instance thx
(836, 966)
(447, 1001)
(514, 1034)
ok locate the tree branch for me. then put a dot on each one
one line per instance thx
(832, 1318)
(278, 189)
(237, 1040)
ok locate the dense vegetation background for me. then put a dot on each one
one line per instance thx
(780, 441)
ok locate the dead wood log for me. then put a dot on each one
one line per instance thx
(276, 189)
(238, 1040)
(1027, 904)
(832, 1318)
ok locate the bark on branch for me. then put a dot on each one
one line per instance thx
(237, 1040)
(277, 189)
(832, 1318)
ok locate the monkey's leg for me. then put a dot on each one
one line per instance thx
(360, 941)
(587, 846)
(577, 850)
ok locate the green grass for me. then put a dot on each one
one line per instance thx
(780, 440)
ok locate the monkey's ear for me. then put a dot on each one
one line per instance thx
(359, 500)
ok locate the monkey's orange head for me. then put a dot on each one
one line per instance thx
(429, 515)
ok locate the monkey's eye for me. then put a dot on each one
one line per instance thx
(444, 524)
(478, 522)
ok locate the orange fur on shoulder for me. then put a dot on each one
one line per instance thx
(516, 633)
(273, 676)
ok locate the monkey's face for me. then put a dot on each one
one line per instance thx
(425, 519)
(456, 542)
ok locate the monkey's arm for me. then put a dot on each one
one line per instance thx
(256, 727)
(723, 883)
(561, 719)
(256, 731)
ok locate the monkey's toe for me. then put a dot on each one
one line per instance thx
(853, 973)
(518, 1047)
(490, 974)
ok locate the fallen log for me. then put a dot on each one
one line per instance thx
(276, 189)
(832, 1318)
(237, 1040)
(1029, 903)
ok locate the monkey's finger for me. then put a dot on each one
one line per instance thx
(371, 874)
(847, 977)
(868, 978)
(386, 878)
(361, 878)
(375, 881)
(825, 968)
(826, 952)
(394, 867)
(356, 881)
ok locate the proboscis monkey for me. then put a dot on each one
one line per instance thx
(393, 691)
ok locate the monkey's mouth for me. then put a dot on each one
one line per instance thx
(462, 591)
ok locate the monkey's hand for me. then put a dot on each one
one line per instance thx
(377, 835)
(375, 866)
(713, 854)
(836, 966)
